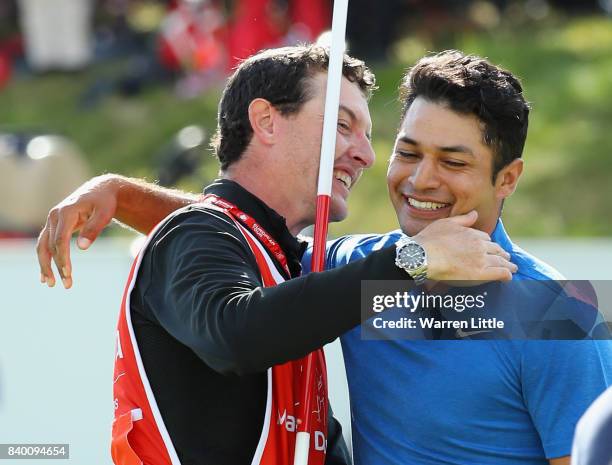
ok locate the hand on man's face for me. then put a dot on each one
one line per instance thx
(457, 252)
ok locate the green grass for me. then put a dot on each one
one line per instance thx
(566, 69)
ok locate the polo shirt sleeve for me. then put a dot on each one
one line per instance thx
(333, 260)
(560, 379)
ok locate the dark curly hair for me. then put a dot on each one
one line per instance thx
(280, 76)
(471, 85)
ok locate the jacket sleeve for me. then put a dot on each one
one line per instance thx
(204, 288)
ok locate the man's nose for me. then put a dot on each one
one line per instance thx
(363, 153)
(425, 176)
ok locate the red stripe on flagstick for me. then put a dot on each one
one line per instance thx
(320, 233)
(318, 264)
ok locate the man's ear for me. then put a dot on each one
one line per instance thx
(507, 178)
(262, 117)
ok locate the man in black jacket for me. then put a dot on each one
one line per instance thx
(206, 327)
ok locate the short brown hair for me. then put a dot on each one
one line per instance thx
(280, 76)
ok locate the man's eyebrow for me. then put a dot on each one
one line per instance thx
(457, 149)
(407, 140)
(353, 117)
(447, 149)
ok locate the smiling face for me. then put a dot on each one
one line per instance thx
(302, 146)
(441, 167)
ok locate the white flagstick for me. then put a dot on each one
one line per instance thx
(326, 165)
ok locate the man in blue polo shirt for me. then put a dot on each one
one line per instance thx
(463, 402)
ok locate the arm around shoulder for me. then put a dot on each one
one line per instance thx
(91, 207)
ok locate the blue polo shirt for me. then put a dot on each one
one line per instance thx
(477, 402)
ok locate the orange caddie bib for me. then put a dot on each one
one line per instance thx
(139, 436)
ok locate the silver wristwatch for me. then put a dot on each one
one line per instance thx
(410, 256)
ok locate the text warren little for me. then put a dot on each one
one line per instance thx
(432, 323)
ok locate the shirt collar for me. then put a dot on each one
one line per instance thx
(500, 237)
(268, 219)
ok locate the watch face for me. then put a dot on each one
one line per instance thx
(412, 256)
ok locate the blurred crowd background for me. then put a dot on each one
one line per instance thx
(131, 86)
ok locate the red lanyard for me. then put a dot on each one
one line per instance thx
(266, 239)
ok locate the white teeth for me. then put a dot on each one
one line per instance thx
(425, 205)
(343, 177)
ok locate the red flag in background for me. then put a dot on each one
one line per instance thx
(259, 24)
(192, 37)
(198, 37)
